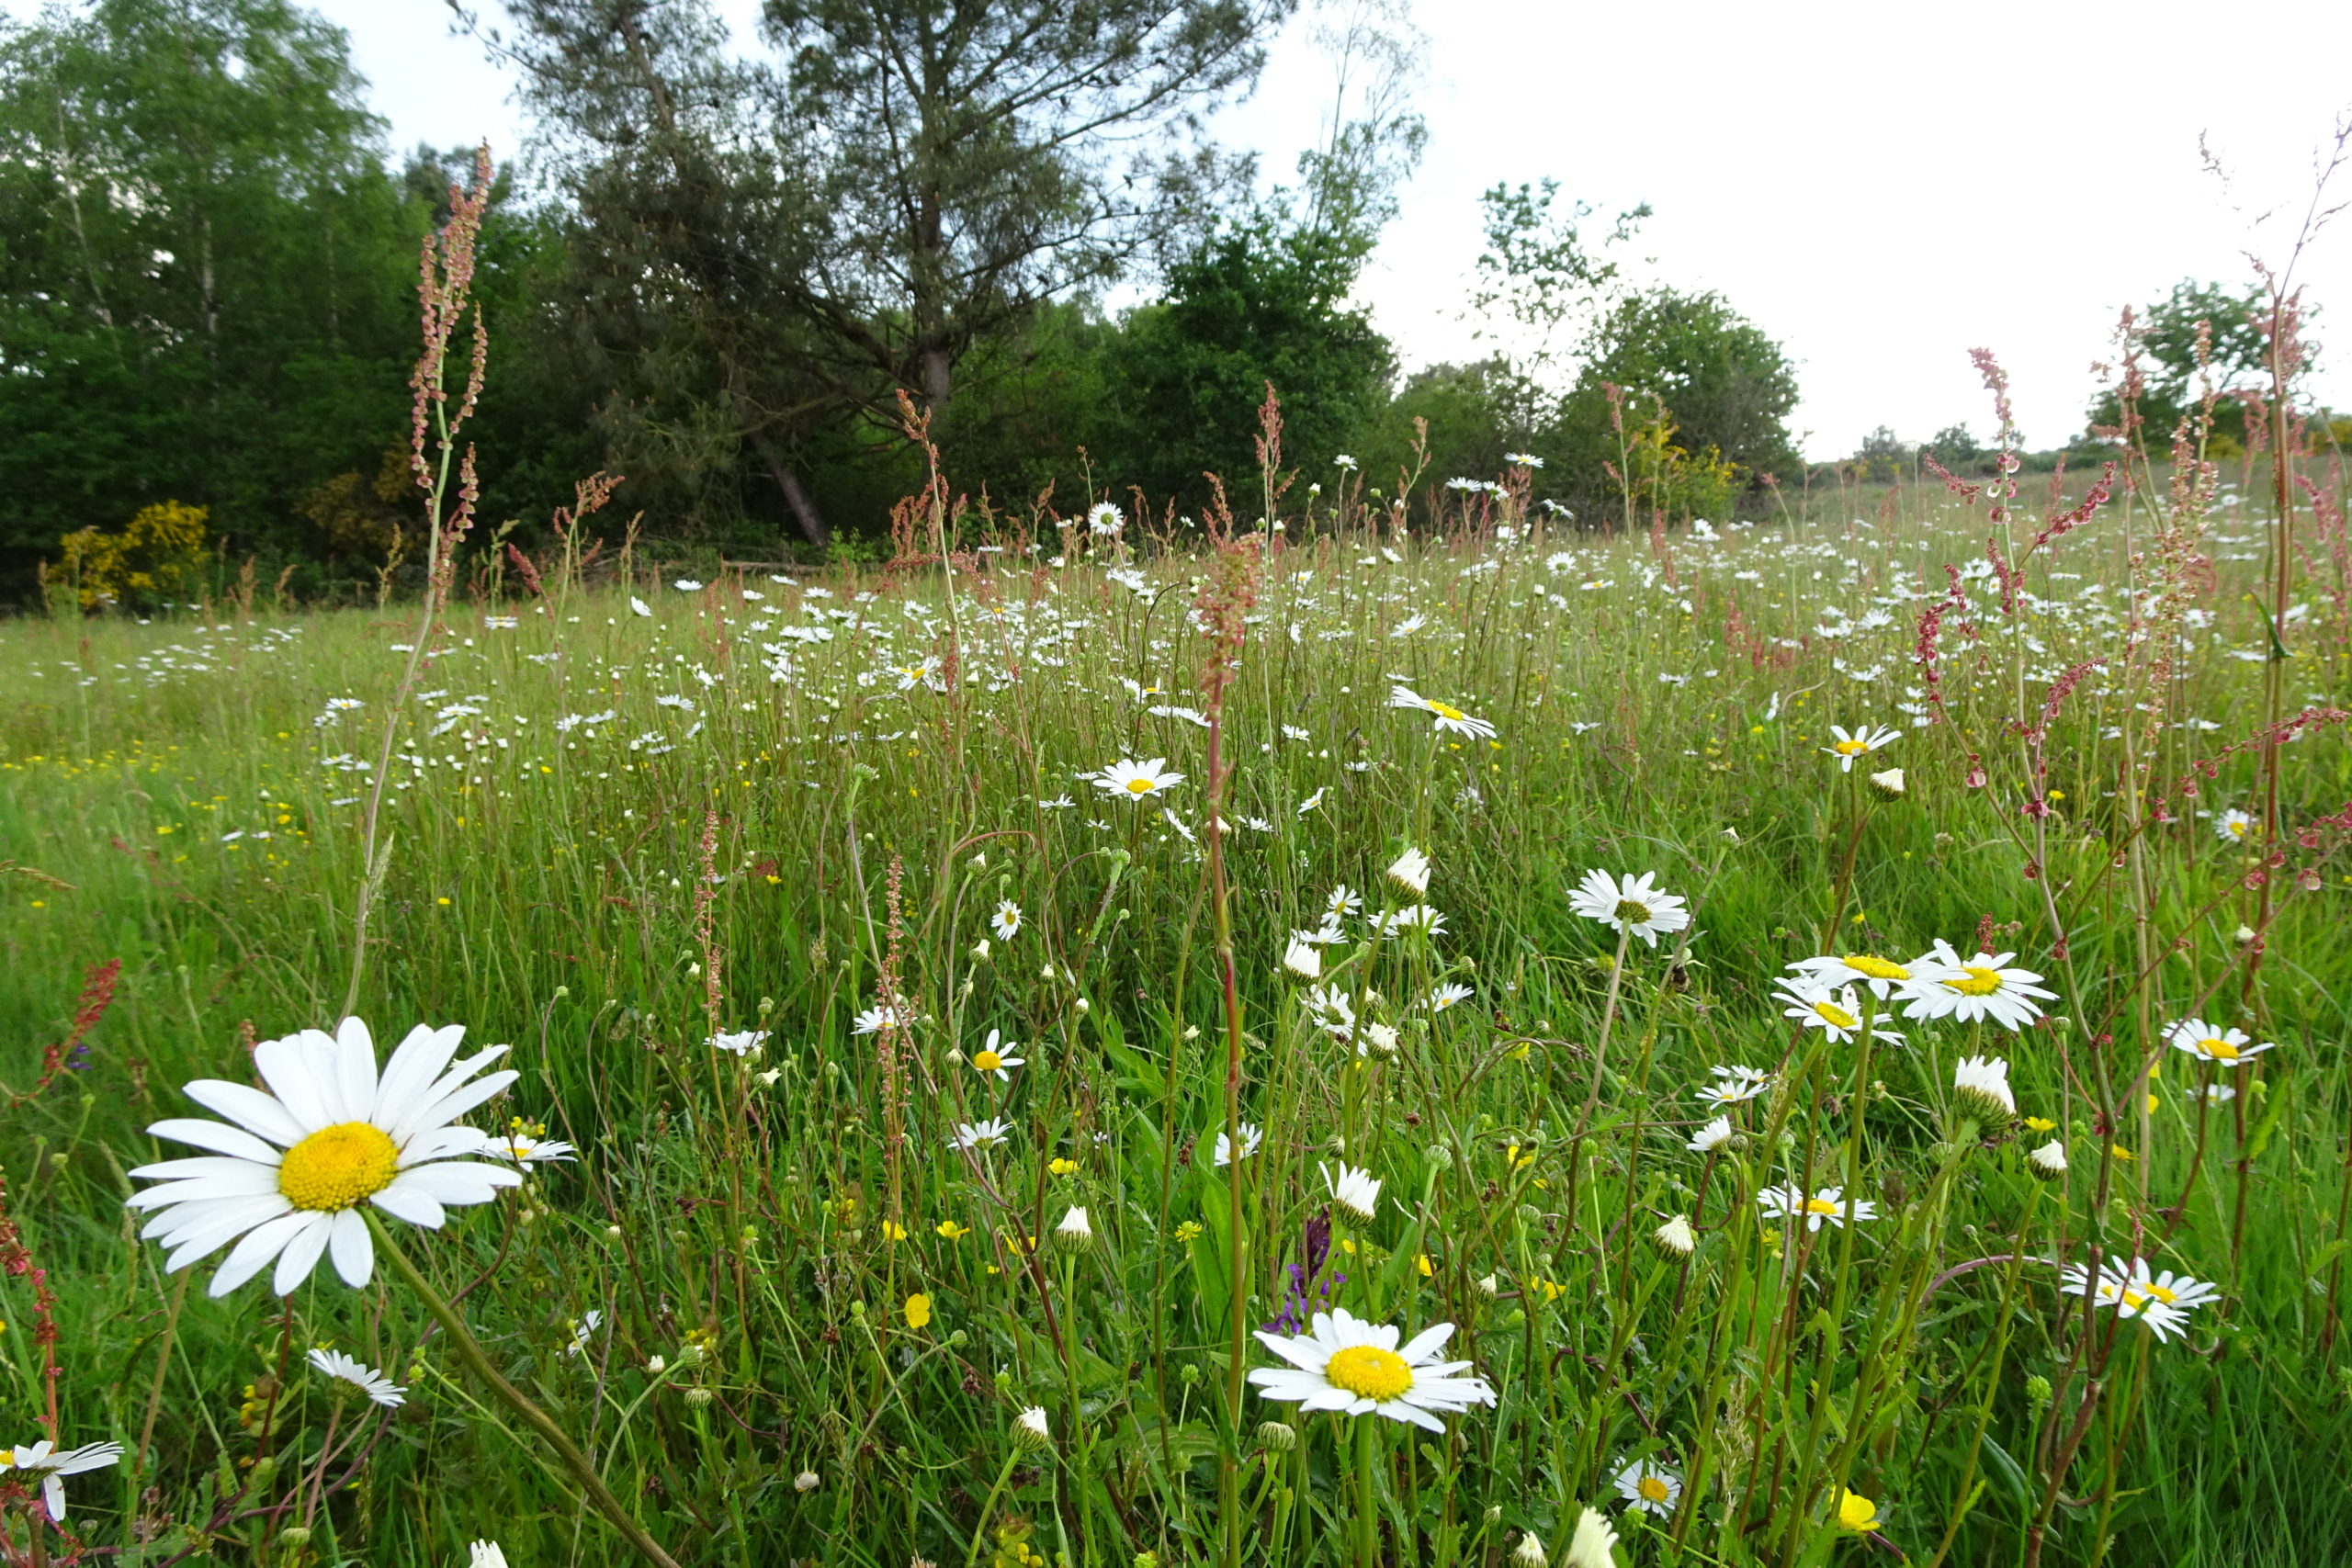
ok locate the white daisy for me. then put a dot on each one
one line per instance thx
(1651, 1488)
(1733, 1085)
(1828, 1205)
(41, 1465)
(1714, 1134)
(1882, 975)
(1836, 1014)
(1410, 870)
(1252, 1136)
(882, 1015)
(289, 1178)
(1411, 917)
(485, 1554)
(1983, 1083)
(997, 1058)
(1447, 995)
(527, 1143)
(745, 1042)
(1105, 519)
(1592, 1544)
(1302, 957)
(361, 1376)
(1860, 743)
(980, 1134)
(1137, 779)
(2048, 1161)
(1344, 902)
(2211, 1042)
(1346, 1364)
(1677, 1236)
(1006, 922)
(1355, 1191)
(2234, 827)
(2163, 1300)
(1450, 719)
(1985, 987)
(1633, 905)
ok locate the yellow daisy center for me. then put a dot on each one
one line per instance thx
(1838, 1017)
(336, 1167)
(2217, 1048)
(1443, 711)
(2237, 829)
(1981, 981)
(1139, 787)
(1369, 1372)
(1652, 1489)
(1819, 1206)
(988, 1060)
(1851, 748)
(2160, 1294)
(1632, 911)
(1876, 968)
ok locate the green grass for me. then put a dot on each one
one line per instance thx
(542, 889)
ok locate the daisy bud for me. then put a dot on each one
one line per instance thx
(1076, 1229)
(1303, 959)
(1487, 1286)
(697, 1397)
(2048, 1161)
(1411, 872)
(2243, 935)
(1046, 972)
(1029, 1430)
(1731, 835)
(294, 1536)
(806, 1481)
(1588, 1548)
(767, 1079)
(1529, 1552)
(1275, 1435)
(484, 1554)
(1082, 1005)
(1381, 1036)
(612, 1233)
(1354, 1190)
(1676, 1236)
(980, 950)
(1889, 784)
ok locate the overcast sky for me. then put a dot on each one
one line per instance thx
(1881, 187)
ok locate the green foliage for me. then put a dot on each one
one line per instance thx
(1257, 304)
(2230, 323)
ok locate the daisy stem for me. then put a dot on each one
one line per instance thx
(981, 1531)
(470, 1352)
(1367, 1505)
(1600, 1055)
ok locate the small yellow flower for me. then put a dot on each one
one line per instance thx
(952, 1231)
(2119, 1152)
(1064, 1167)
(1857, 1513)
(1428, 1269)
(1188, 1233)
(917, 1311)
(893, 1230)
(2040, 1124)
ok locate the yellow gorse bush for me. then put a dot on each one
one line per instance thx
(151, 557)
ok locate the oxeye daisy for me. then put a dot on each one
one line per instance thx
(1445, 995)
(2211, 1042)
(527, 1144)
(1828, 1206)
(1357, 1191)
(379, 1388)
(1410, 870)
(1006, 922)
(883, 1014)
(1411, 917)
(1836, 1014)
(1252, 1136)
(1651, 1488)
(43, 1466)
(1982, 987)
(2163, 1300)
(1346, 1364)
(1136, 780)
(1884, 976)
(980, 1134)
(1450, 719)
(1733, 1085)
(1343, 902)
(743, 1043)
(286, 1180)
(1633, 905)
(1303, 957)
(997, 1058)
(1714, 1134)
(1983, 1082)
(1861, 742)
(1105, 519)
(2234, 827)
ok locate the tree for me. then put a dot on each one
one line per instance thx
(2236, 359)
(203, 295)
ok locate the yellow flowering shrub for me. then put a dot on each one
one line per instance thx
(153, 558)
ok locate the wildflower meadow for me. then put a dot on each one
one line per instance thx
(1379, 1025)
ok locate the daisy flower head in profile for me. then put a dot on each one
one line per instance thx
(1983, 1085)
(485, 1554)
(1446, 996)
(2162, 1301)
(289, 1172)
(1357, 1191)
(1633, 905)
(2211, 1042)
(2234, 827)
(1651, 1488)
(1860, 742)
(527, 1145)
(1138, 780)
(1884, 976)
(742, 1043)
(1837, 1014)
(1410, 870)
(980, 1134)
(997, 1056)
(44, 1466)
(1593, 1544)
(1829, 1206)
(1252, 1137)
(888, 1012)
(1733, 1085)
(1105, 519)
(1712, 1136)
(343, 1369)
(1986, 987)
(1006, 922)
(1303, 957)
(1346, 1364)
(1451, 720)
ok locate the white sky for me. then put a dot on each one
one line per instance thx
(1881, 188)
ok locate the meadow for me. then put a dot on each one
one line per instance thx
(887, 1011)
